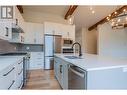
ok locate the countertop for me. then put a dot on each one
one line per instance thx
(6, 61)
(90, 62)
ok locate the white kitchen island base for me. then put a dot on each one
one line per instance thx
(108, 79)
(102, 73)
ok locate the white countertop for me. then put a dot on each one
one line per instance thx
(6, 61)
(92, 62)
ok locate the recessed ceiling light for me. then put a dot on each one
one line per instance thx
(124, 10)
(91, 8)
(93, 12)
(119, 20)
(109, 15)
(115, 12)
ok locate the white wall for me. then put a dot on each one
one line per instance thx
(88, 40)
(39, 17)
(112, 42)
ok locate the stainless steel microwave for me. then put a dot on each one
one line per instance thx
(67, 42)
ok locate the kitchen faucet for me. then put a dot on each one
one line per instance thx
(80, 51)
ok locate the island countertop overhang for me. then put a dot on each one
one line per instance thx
(90, 62)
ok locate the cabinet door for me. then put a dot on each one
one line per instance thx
(37, 60)
(52, 28)
(5, 29)
(61, 72)
(39, 33)
(18, 16)
(29, 34)
(34, 33)
(57, 29)
(56, 68)
(49, 28)
(68, 31)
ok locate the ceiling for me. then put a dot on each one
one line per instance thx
(82, 15)
(57, 10)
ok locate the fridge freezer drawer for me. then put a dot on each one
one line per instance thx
(49, 62)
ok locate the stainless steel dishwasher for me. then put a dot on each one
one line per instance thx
(76, 78)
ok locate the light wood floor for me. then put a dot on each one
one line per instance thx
(41, 80)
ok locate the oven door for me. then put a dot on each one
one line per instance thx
(77, 78)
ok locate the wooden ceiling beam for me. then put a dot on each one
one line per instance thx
(125, 25)
(20, 8)
(70, 11)
(119, 11)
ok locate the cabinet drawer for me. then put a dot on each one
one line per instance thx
(18, 82)
(19, 67)
(7, 77)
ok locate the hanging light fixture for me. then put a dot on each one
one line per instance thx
(118, 21)
(70, 19)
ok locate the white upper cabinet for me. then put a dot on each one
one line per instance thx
(5, 29)
(58, 29)
(49, 28)
(7, 24)
(33, 33)
(67, 31)
(18, 20)
(18, 16)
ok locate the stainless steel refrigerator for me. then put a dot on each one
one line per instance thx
(52, 44)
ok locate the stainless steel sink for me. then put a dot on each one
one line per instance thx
(73, 57)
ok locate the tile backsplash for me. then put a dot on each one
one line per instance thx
(30, 47)
(5, 46)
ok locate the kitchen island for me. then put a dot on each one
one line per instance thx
(101, 72)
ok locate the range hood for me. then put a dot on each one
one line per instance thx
(17, 29)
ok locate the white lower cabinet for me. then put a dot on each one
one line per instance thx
(12, 76)
(7, 77)
(18, 82)
(36, 60)
(61, 72)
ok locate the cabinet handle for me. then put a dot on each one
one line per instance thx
(60, 68)
(16, 21)
(9, 71)
(11, 84)
(34, 40)
(20, 62)
(7, 31)
(20, 85)
(20, 72)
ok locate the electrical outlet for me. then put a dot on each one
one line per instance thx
(15, 48)
(27, 48)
